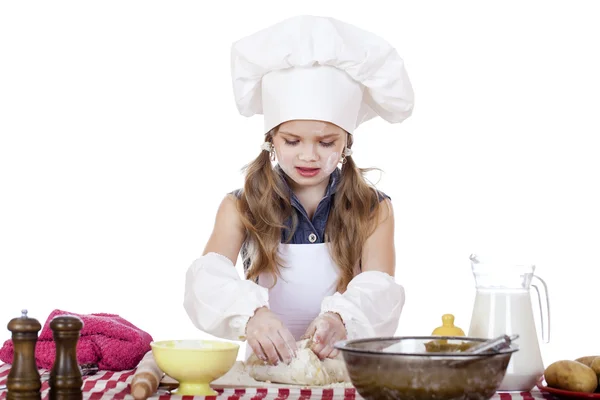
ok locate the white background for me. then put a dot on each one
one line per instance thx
(119, 137)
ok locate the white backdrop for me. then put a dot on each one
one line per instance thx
(119, 137)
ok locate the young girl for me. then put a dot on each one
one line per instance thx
(317, 241)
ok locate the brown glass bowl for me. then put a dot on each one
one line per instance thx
(423, 368)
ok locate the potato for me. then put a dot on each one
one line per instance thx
(595, 365)
(586, 360)
(571, 375)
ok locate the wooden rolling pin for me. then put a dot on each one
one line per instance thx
(146, 379)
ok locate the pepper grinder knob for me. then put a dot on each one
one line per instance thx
(23, 381)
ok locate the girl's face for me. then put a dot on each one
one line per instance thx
(309, 151)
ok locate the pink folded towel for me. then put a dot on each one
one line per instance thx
(108, 340)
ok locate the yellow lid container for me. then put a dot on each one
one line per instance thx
(448, 328)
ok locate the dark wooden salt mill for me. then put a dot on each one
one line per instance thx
(23, 380)
(65, 376)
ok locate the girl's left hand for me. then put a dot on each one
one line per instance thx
(325, 331)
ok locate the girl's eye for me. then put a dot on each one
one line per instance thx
(291, 143)
(327, 144)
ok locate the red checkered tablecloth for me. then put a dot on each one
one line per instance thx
(115, 385)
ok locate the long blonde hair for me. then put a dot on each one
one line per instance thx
(265, 204)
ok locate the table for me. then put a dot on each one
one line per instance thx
(115, 385)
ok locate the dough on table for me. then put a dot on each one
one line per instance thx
(304, 369)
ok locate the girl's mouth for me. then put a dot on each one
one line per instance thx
(308, 172)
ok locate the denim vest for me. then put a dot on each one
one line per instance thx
(307, 231)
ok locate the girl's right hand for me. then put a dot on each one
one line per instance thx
(269, 339)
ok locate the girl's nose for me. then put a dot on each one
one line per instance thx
(308, 153)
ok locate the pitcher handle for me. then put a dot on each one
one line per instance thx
(545, 326)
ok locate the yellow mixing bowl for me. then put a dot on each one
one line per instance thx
(195, 363)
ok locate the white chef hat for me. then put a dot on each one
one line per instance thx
(319, 68)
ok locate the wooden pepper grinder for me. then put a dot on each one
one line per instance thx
(23, 380)
(65, 377)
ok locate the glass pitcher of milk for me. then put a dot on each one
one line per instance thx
(503, 306)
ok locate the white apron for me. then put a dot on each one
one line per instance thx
(308, 276)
